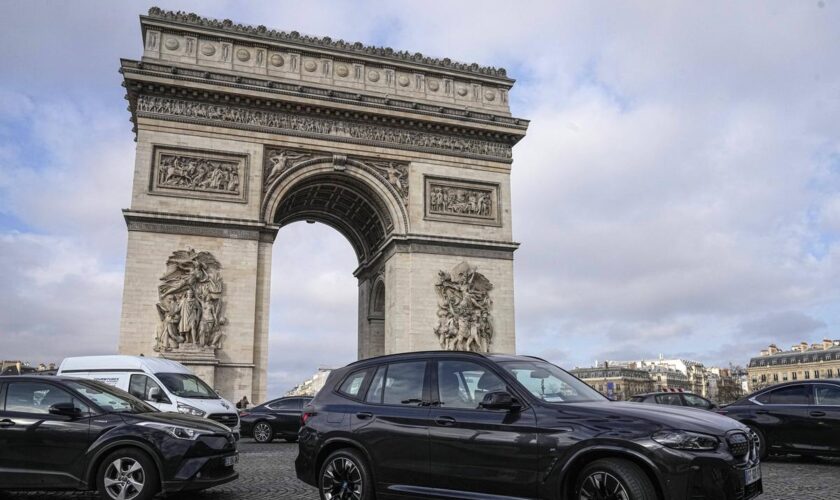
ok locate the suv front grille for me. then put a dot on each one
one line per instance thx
(739, 444)
(229, 419)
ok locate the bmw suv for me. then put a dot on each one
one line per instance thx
(466, 425)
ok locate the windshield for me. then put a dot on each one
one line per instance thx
(551, 384)
(187, 385)
(110, 399)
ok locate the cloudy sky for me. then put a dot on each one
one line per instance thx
(678, 191)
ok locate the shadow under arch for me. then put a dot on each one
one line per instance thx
(346, 194)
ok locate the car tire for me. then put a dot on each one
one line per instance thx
(763, 449)
(611, 475)
(127, 470)
(344, 473)
(262, 432)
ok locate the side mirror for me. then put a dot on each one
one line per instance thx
(499, 400)
(154, 394)
(65, 410)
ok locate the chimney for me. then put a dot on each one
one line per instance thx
(803, 346)
(772, 349)
(827, 343)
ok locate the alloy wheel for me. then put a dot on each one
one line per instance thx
(342, 480)
(602, 486)
(262, 431)
(124, 479)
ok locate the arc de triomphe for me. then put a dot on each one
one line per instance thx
(241, 130)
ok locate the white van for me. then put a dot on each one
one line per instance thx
(165, 384)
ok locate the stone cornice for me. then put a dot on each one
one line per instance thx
(321, 43)
(130, 68)
(213, 227)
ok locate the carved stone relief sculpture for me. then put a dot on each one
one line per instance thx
(199, 174)
(454, 200)
(396, 175)
(190, 306)
(465, 322)
(278, 161)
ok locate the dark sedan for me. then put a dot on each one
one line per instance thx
(65, 433)
(276, 418)
(795, 417)
(675, 399)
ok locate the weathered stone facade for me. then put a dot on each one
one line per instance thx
(241, 130)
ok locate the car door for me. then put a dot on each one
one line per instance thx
(824, 421)
(783, 417)
(473, 449)
(143, 387)
(39, 449)
(391, 421)
(286, 413)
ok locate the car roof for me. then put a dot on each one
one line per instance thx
(666, 392)
(436, 354)
(121, 363)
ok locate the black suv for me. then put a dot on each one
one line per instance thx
(464, 425)
(675, 399)
(67, 433)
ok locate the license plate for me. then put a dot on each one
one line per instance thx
(752, 475)
(231, 460)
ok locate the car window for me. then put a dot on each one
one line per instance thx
(463, 384)
(669, 399)
(404, 383)
(549, 383)
(828, 394)
(140, 387)
(637, 399)
(285, 404)
(791, 395)
(352, 385)
(187, 385)
(374, 394)
(696, 401)
(37, 397)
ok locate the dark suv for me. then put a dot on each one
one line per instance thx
(465, 425)
(67, 433)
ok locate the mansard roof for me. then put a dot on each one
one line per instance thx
(794, 357)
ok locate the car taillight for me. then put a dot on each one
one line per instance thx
(306, 416)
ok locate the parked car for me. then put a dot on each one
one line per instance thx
(688, 399)
(79, 434)
(795, 417)
(165, 384)
(276, 418)
(467, 425)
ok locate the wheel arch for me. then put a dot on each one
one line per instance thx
(99, 455)
(568, 474)
(336, 444)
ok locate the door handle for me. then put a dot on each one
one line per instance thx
(762, 412)
(364, 415)
(6, 423)
(445, 421)
(817, 413)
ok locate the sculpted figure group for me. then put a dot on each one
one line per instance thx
(452, 200)
(189, 172)
(190, 307)
(464, 318)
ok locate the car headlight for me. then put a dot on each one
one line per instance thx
(190, 410)
(686, 440)
(176, 431)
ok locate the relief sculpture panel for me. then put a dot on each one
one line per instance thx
(460, 201)
(464, 315)
(199, 174)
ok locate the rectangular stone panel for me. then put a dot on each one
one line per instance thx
(196, 173)
(454, 200)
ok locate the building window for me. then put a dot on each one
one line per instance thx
(793, 376)
(784, 377)
(829, 373)
(816, 374)
(775, 377)
(763, 377)
(617, 387)
(807, 374)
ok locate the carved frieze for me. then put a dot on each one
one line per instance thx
(278, 161)
(465, 321)
(462, 201)
(332, 128)
(396, 174)
(199, 174)
(190, 306)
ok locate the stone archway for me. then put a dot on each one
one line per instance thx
(242, 130)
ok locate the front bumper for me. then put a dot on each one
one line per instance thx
(203, 472)
(706, 476)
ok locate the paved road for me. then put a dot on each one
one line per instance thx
(267, 473)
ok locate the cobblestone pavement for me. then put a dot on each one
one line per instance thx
(267, 473)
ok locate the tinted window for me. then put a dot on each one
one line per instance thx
(550, 383)
(793, 395)
(828, 395)
(669, 399)
(140, 386)
(34, 397)
(637, 399)
(404, 383)
(696, 401)
(463, 384)
(286, 404)
(110, 398)
(374, 394)
(187, 385)
(353, 384)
